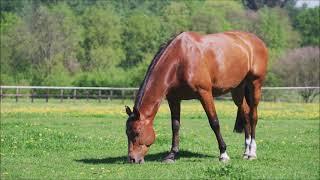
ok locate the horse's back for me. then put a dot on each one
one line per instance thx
(223, 60)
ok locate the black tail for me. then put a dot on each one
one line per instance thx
(239, 124)
(241, 121)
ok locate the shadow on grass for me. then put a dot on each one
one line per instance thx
(151, 157)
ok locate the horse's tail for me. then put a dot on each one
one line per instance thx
(240, 121)
(239, 124)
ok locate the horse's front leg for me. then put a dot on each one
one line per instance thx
(175, 124)
(206, 99)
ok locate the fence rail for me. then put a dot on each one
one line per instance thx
(62, 93)
(99, 93)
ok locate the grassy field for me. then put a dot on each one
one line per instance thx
(82, 140)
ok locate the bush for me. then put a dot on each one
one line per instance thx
(300, 67)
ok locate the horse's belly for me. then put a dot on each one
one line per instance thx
(218, 92)
(228, 78)
(182, 92)
(225, 84)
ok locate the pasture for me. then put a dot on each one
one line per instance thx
(82, 140)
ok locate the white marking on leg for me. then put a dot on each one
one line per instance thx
(253, 148)
(247, 147)
(224, 157)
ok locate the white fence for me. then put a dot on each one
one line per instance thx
(36, 92)
(99, 93)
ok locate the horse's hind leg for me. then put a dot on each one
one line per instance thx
(175, 124)
(253, 95)
(206, 99)
(243, 120)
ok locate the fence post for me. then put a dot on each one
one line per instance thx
(17, 92)
(47, 95)
(133, 94)
(99, 96)
(61, 95)
(87, 95)
(111, 94)
(1, 94)
(75, 94)
(122, 94)
(32, 94)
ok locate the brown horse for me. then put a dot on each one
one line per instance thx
(193, 66)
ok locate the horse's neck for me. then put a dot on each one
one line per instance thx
(152, 98)
(156, 89)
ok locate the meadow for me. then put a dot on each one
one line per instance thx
(86, 140)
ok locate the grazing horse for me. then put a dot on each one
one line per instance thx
(194, 66)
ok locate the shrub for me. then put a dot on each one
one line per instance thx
(300, 67)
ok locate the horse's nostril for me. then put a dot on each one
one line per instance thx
(132, 160)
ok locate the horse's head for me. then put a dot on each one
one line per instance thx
(140, 136)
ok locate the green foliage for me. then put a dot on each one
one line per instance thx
(10, 6)
(213, 16)
(13, 49)
(176, 17)
(102, 41)
(276, 31)
(142, 38)
(308, 23)
(137, 74)
(60, 42)
(273, 80)
(114, 77)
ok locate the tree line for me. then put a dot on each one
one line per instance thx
(111, 43)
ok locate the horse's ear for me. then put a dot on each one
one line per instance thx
(136, 113)
(128, 110)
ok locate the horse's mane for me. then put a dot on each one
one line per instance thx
(150, 69)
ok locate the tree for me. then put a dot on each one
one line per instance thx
(275, 29)
(214, 16)
(307, 22)
(141, 37)
(102, 44)
(257, 4)
(15, 64)
(56, 35)
(176, 18)
(300, 67)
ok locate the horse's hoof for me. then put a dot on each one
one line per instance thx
(224, 158)
(252, 157)
(170, 158)
(245, 156)
(168, 161)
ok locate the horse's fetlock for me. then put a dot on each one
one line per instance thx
(223, 148)
(175, 150)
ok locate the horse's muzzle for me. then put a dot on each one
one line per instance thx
(135, 160)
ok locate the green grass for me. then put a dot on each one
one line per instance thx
(82, 140)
